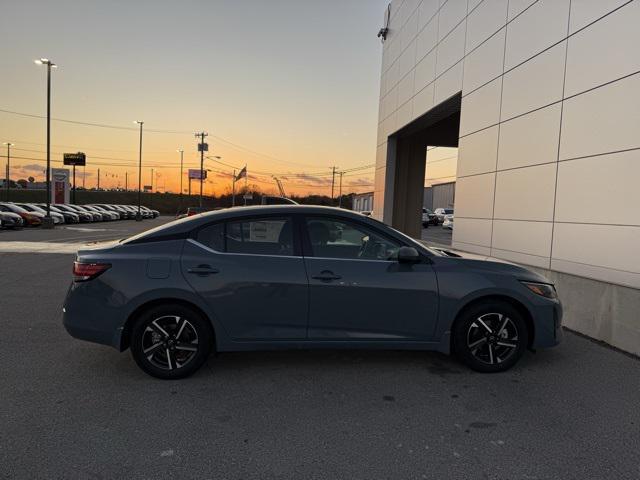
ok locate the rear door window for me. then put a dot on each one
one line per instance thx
(212, 236)
(260, 236)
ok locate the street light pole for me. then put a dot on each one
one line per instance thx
(201, 147)
(181, 152)
(47, 222)
(9, 145)
(139, 213)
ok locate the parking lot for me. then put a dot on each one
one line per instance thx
(76, 410)
(67, 238)
(436, 234)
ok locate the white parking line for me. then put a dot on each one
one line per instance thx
(39, 247)
(85, 229)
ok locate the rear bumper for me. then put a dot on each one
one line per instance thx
(88, 315)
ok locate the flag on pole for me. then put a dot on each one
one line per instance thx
(242, 173)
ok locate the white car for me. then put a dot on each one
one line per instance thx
(448, 222)
(441, 212)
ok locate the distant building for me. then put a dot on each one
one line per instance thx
(363, 202)
(440, 195)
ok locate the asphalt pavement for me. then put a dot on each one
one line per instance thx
(437, 235)
(74, 410)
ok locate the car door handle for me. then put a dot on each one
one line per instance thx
(326, 276)
(203, 270)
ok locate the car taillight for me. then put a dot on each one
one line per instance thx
(87, 271)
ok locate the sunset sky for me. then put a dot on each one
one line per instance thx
(289, 88)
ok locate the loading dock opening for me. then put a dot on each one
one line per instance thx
(405, 168)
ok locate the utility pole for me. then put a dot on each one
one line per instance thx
(98, 179)
(139, 213)
(84, 174)
(9, 145)
(202, 147)
(74, 184)
(181, 152)
(333, 180)
(152, 180)
(340, 190)
(126, 181)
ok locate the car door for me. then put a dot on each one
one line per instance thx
(251, 274)
(358, 290)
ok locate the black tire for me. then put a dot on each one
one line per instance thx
(173, 333)
(499, 324)
(425, 224)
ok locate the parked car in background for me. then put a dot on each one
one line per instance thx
(428, 218)
(58, 218)
(441, 212)
(274, 200)
(106, 212)
(154, 213)
(282, 277)
(144, 213)
(121, 215)
(194, 211)
(102, 216)
(31, 219)
(69, 217)
(84, 216)
(448, 222)
(11, 219)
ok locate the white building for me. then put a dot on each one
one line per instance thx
(363, 202)
(542, 98)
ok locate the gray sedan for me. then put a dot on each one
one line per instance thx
(277, 277)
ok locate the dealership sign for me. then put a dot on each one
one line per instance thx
(60, 185)
(76, 159)
(194, 174)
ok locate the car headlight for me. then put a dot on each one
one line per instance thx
(543, 289)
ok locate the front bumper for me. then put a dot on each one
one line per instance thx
(547, 325)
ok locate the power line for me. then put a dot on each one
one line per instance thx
(176, 132)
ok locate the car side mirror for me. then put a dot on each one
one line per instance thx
(408, 255)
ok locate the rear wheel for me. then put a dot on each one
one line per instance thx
(490, 336)
(171, 341)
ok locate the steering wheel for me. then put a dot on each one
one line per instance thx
(364, 247)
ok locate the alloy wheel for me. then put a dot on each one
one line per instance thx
(492, 338)
(169, 342)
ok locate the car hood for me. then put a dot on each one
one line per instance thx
(36, 214)
(489, 264)
(9, 215)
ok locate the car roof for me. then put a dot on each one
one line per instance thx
(188, 224)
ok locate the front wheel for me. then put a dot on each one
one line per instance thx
(171, 341)
(490, 337)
